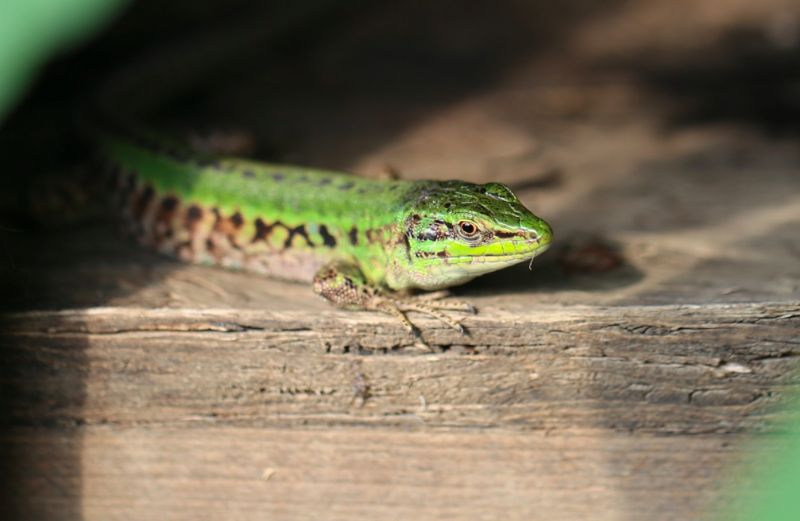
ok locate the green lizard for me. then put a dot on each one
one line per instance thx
(362, 243)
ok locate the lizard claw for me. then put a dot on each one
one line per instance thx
(435, 301)
(435, 311)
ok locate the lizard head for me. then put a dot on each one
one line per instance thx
(457, 231)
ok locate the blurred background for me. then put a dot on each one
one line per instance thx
(660, 139)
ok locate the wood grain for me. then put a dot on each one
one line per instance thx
(560, 414)
(698, 369)
(242, 473)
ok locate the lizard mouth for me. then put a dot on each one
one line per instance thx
(462, 268)
(525, 251)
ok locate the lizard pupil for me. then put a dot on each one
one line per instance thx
(467, 227)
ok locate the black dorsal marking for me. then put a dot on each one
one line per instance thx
(194, 213)
(166, 212)
(169, 203)
(327, 239)
(143, 201)
(263, 230)
(353, 235)
(237, 220)
(297, 230)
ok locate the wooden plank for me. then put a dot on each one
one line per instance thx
(692, 368)
(561, 413)
(347, 473)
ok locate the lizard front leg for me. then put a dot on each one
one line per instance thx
(345, 286)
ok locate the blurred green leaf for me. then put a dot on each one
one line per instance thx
(768, 488)
(31, 31)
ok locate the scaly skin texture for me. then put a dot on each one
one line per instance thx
(362, 242)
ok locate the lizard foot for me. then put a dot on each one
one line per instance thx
(399, 306)
(346, 287)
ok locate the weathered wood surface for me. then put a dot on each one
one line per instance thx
(694, 369)
(237, 414)
(557, 414)
(134, 387)
(225, 472)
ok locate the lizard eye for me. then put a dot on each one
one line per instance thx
(467, 228)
